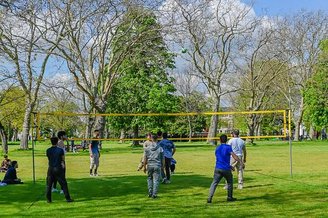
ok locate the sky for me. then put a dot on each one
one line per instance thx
(285, 7)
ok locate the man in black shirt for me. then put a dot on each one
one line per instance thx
(56, 169)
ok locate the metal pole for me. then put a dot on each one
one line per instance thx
(290, 143)
(33, 142)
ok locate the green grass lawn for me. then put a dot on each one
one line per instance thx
(121, 191)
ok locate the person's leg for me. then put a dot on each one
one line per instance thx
(228, 176)
(50, 181)
(96, 161)
(156, 178)
(172, 168)
(163, 175)
(91, 164)
(54, 186)
(240, 174)
(216, 179)
(60, 174)
(167, 168)
(150, 171)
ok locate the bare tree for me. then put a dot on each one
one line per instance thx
(22, 29)
(187, 85)
(94, 45)
(300, 36)
(260, 64)
(208, 32)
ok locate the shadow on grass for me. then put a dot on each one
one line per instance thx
(113, 195)
(86, 189)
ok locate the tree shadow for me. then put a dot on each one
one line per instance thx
(84, 189)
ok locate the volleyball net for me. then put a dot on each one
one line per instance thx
(179, 126)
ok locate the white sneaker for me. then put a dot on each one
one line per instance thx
(240, 186)
(61, 192)
(91, 174)
(225, 187)
(96, 174)
(54, 190)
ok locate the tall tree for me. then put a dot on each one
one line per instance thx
(316, 91)
(144, 85)
(208, 32)
(22, 47)
(300, 36)
(92, 29)
(11, 114)
(191, 100)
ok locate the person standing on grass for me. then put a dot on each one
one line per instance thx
(169, 150)
(61, 138)
(223, 168)
(239, 148)
(56, 170)
(145, 145)
(154, 161)
(94, 154)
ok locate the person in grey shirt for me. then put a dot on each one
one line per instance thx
(153, 163)
(239, 148)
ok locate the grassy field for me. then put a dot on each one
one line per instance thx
(121, 191)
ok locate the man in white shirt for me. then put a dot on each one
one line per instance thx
(239, 148)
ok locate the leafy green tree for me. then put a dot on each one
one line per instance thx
(12, 105)
(144, 86)
(316, 92)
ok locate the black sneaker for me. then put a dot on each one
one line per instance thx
(231, 199)
(69, 200)
(154, 196)
(49, 201)
(150, 195)
(209, 201)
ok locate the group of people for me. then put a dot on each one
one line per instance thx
(157, 161)
(57, 167)
(9, 167)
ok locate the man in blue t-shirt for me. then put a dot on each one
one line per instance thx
(94, 154)
(169, 150)
(223, 168)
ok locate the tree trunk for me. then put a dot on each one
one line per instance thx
(100, 125)
(26, 126)
(4, 139)
(15, 135)
(190, 128)
(312, 133)
(88, 131)
(100, 120)
(214, 122)
(298, 121)
(122, 136)
(135, 135)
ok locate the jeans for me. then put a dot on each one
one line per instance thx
(153, 179)
(218, 175)
(167, 168)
